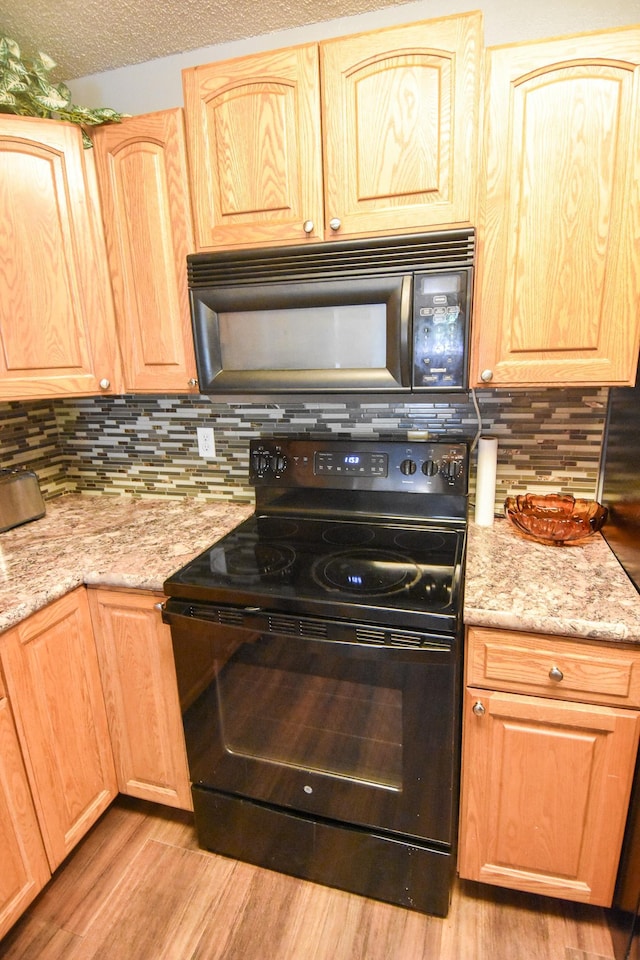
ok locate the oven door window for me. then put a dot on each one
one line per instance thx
(346, 731)
(345, 728)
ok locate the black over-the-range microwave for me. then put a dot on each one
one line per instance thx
(382, 315)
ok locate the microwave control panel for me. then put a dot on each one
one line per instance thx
(441, 308)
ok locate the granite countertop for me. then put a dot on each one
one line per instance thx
(112, 541)
(578, 591)
(129, 542)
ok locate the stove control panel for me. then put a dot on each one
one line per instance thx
(425, 466)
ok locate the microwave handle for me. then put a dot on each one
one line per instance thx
(406, 334)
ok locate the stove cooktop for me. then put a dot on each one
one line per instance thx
(407, 573)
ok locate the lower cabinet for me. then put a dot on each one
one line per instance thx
(546, 778)
(51, 670)
(25, 869)
(141, 694)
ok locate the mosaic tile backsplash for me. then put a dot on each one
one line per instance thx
(548, 441)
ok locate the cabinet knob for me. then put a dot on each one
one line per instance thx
(556, 674)
(335, 223)
(307, 226)
(158, 606)
(486, 376)
(478, 709)
(192, 382)
(105, 384)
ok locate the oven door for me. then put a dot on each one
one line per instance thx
(279, 710)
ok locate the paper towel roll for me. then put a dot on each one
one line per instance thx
(486, 480)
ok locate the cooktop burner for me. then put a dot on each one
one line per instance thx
(366, 572)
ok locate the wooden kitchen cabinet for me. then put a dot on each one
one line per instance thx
(57, 330)
(141, 693)
(390, 115)
(25, 869)
(558, 275)
(546, 778)
(52, 676)
(142, 172)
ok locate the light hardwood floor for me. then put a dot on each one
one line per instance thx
(138, 888)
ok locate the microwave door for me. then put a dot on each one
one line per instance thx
(346, 335)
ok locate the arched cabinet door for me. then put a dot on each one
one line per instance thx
(253, 127)
(558, 278)
(142, 173)
(57, 330)
(399, 119)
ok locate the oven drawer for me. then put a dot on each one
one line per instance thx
(550, 666)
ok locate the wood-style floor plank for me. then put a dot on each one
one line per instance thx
(138, 888)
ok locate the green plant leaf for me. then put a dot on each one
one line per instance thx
(27, 90)
(9, 48)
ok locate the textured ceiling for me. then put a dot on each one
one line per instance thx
(89, 36)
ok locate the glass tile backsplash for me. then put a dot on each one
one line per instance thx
(548, 440)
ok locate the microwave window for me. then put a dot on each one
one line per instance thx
(305, 338)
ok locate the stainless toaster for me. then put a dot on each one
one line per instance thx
(20, 498)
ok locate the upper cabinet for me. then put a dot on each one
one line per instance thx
(390, 117)
(57, 332)
(142, 173)
(558, 279)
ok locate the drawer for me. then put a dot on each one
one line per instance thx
(549, 666)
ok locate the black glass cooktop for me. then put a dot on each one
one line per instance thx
(365, 570)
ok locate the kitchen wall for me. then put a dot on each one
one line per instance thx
(549, 440)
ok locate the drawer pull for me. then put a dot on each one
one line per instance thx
(478, 709)
(556, 674)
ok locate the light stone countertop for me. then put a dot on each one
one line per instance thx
(137, 543)
(112, 541)
(579, 591)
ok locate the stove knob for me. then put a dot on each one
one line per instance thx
(261, 462)
(278, 463)
(429, 468)
(408, 467)
(452, 469)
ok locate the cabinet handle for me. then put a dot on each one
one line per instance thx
(556, 674)
(478, 709)
(486, 376)
(192, 382)
(335, 223)
(307, 226)
(105, 384)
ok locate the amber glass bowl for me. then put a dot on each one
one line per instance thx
(555, 519)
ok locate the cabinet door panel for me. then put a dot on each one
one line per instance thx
(53, 678)
(255, 149)
(545, 792)
(399, 120)
(558, 267)
(142, 171)
(141, 692)
(25, 870)
(57, 334)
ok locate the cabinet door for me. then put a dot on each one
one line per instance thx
(253, 128)
(57, 331)
(399, 116)
(545, 792)
(141, 693)
(558, 279)
(142, 172)
(53, 680)
(25, 870)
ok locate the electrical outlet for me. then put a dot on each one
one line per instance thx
(206, 443)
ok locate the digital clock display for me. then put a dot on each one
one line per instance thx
(365, 464)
